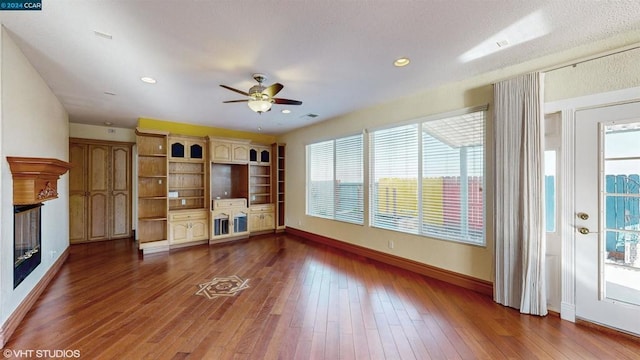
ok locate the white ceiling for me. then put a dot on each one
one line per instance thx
(334, 56)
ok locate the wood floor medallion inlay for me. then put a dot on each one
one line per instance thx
(222, 286)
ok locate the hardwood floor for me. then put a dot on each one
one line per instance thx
(304, 301)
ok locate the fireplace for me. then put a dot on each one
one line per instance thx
(26, 241)
(35, 180)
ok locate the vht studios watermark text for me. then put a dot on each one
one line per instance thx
(20, 4)
(40, 353)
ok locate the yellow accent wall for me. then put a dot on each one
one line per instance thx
(198, 130)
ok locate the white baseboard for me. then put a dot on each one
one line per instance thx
(568, 312)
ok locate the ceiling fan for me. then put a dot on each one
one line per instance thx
(260, 97)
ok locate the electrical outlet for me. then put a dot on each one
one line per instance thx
(183, 201)
(390, 244)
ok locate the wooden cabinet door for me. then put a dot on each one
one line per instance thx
(269, 222)
(177, 150)
(240, 153)
(120, 209)
(178, 231)
(77, 193)
(255, 222)
(98, 188)
(221, 151)
(199, 230)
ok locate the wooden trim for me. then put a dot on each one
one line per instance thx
(35, 179)
(27, 167)
(73, 140)
(19, 313)
(465, 281)
(151, 132)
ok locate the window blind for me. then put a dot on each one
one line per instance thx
(394, 172)
(452, 177)
(349, 201)
(320, 179)
(335, 179)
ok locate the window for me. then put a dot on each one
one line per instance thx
(395, 164)
(335, 179)
(550, 189)
(428, 178)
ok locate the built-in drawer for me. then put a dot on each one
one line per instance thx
(221, 203)
(187, 215)
(262, 208)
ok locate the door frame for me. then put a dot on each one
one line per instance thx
(567, 109)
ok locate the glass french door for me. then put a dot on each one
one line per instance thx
(607, 219)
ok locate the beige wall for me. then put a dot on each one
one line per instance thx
(96, 132)
(612, 72)
(33, 124)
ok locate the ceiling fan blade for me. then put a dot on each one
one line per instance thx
(273, 89)
(286, 101)
(235, 101)
(236, 90)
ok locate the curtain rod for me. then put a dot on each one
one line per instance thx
(582, 61)
(595, 57)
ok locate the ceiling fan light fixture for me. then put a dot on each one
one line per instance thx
(259, 105)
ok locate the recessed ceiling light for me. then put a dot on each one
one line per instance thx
(108, 123)
(400, 62)
(286, 111)
(148, 80)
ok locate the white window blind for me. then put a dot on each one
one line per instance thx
(320, 179)
(452, 178)
(349, 201)
(335, 179)
(394, 170)
(428, 178)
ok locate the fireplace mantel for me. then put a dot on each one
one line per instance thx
(35, 179)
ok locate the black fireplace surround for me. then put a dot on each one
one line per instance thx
(27, 234)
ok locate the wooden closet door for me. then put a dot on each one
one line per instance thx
(120, 210)
(98, 187)
(77, 193)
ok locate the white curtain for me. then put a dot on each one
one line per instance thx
(519, 200)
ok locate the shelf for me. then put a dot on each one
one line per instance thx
(152, 218)
(152, 185)
(186, 173)
(185, 188)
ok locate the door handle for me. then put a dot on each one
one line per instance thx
(583, 216)
(585, 231)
